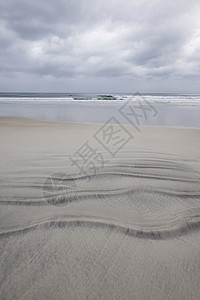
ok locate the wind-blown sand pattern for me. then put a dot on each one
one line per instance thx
(130, 231)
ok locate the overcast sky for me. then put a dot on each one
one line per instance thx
(100, 45)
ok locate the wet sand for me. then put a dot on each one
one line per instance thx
(124, 225)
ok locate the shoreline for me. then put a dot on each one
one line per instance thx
(92, 124)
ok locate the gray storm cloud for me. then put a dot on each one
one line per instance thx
(67, 40)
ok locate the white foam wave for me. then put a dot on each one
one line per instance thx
(190, 100)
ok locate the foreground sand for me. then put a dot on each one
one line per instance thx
(127, 230)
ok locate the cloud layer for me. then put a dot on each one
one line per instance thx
(146, 40)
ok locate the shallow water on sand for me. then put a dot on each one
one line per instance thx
(166, 114)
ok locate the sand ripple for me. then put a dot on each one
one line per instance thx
(154, 199)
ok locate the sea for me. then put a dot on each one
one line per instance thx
(180, 110)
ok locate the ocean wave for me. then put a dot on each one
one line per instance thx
(95, 98)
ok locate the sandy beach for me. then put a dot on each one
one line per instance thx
(85, 217)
